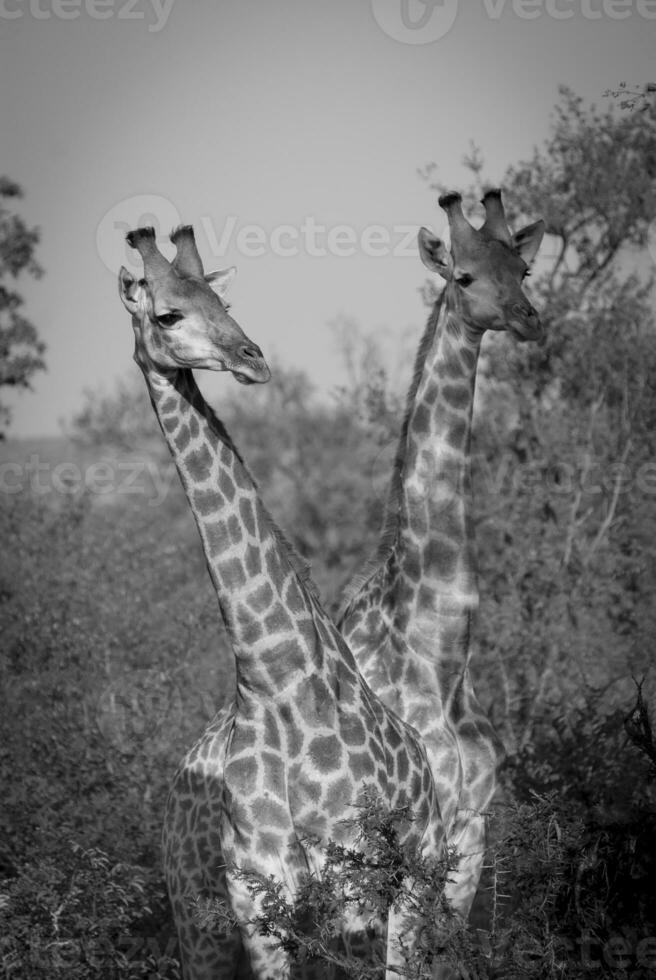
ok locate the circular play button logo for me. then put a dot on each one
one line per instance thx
(132, 212)
(415, 21)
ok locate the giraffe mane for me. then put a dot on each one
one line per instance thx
(392, 503)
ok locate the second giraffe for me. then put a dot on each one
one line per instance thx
(408, 617)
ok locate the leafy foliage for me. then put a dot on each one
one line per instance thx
(69, 918)
(363, 881)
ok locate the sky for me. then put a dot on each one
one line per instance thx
(291, 134)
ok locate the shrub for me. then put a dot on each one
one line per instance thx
(78, 917)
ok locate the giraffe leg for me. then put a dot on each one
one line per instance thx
(468, 838)
(194, 866)
(401, 935)
(207, 952)
(207, 955)
(268, 961)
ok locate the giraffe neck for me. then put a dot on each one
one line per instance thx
(434, 548)
(263, 601)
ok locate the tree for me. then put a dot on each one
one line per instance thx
(633, 97)
(21, 349)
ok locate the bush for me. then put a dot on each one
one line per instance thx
(77, 917)
(568, 886)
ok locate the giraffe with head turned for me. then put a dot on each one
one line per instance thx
(408, 617)
(305, 739)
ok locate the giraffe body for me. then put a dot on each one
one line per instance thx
(409, 617)
(305, 738)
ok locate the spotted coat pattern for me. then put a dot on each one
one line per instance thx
(409, 616)
(304, 737)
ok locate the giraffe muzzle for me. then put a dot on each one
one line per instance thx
(250, 367)
(525, 324)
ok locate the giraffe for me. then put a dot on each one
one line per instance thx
(304, 739)
(408, 616)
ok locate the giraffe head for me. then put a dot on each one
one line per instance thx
(179, 315)
(485, 267)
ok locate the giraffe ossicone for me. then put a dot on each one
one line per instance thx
(408, 616)
(305, 739)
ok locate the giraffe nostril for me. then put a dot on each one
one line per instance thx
(525, 323)
(250, 351)
(526, 312)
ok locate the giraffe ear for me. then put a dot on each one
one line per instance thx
(528, 240)
(130, 290)
(434, 253)
(221, 281)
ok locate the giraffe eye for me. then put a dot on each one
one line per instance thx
(526, 273)
(168, 319)
(465, 280)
